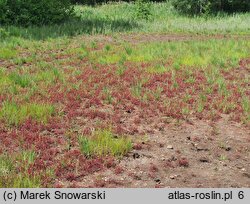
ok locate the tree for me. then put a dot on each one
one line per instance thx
(196, 7)
(34, 12)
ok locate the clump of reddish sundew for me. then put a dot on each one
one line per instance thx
(58, 184)
(74, 184)
(99, 183)
(169, 164)
(158, 185)
(137, 146)
(183, 162)
(118, 170)
(153, 168)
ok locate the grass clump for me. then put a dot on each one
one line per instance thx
(6, 53)
(136, 90)
(246, 108)
(21, 80)
(103, 143)
(157, 69)
(143, 9)
(14, 114)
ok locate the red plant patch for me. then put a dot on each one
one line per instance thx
(183, 162)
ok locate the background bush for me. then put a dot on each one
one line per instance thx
(194, 7)
(143, 9)
(191, 6)
(46, 12)
(34, 12)
(94, 2)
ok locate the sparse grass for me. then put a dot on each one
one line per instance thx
(120, 70)
(102, 143)
(21, 80)
(223, 158)
(5, 82)
(246, 107)
(128, 50)
(158, 69)
(157, 93)
(108, 95)
(136, 90)
(200, 106)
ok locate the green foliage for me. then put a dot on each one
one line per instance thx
(192, 7)
(94, 2)
(7, 53)
(89, 2)
(33, 12)
(143, 9)
(21, 80)
(3, 33)
(104, 143)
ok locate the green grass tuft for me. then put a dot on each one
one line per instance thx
(14, 114)
(6, 53)
(21, 80)
(104, 143)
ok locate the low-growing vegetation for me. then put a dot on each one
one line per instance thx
(133, 90)
(103, 143)
(13, 114)
(10, 175)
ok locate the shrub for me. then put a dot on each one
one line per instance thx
(33, 12)
(3, 33)
(143, 10)
(89, 2)
(94, 2)
(196, 7)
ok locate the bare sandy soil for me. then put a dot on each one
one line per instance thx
(194, 154)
